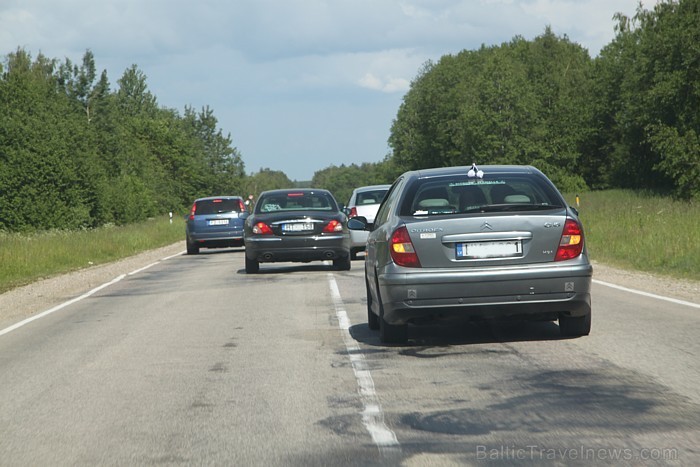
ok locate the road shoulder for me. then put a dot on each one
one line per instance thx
(23, 302)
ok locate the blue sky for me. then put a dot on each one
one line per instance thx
(298, 84)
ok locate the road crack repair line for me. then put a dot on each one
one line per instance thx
(372, 414)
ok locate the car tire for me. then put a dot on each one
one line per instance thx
(390, 333)
(251, 266)
(575, 326)
(372, 319)
(192, 249)
(342, 264)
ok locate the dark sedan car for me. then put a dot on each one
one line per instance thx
(299, 225)
(475, 243)
(215, 222)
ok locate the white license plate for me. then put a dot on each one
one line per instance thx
(218, 222)
(297, 227)
(481, 250)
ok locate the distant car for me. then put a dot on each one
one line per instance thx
(215, 222)
(475, 243)
(364, 202)
(296, 225)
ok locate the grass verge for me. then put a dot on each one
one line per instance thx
(642, 232)
(25, 258)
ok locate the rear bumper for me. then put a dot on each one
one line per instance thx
(540, 292)
(316, 248)
(216, 240)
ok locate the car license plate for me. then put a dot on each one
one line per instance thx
(297, 227)
(482, 250)
(217, 222)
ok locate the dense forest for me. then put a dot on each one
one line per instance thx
(76, 152)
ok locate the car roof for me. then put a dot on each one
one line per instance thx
(284, 191)
(491, 169)
(360, 189)
(209, 198)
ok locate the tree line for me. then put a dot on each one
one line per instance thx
(77, 153)
(629, 118)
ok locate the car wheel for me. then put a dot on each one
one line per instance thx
(251, 266)
(342, 264)
(372, 319)
(578, 326)
(192, 249)
(390, 333)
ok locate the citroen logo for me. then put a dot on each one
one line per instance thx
(486, 226)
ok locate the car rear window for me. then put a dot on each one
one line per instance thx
(370, 197)
(218, 206)
(296, 201)
(493, 193)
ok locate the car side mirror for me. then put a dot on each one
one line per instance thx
(358, 223)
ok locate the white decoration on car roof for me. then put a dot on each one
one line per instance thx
(474, 172)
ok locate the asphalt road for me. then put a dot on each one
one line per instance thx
(193, 362)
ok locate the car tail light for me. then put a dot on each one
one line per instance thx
(353, 212)
(402, 251)
(262, 228)
(192, 211)
(333, 226)
(241, 205)
(571, 243)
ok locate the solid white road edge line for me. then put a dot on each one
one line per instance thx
(647, 294)
(61, 306)
(372, 415)
(77, 299)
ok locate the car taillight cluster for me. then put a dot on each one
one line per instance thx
(401, 248)
(333, 226)
(262, 228)
(241, 205)
(571, 243)
(192, 211)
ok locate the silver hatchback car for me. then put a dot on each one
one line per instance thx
(475, 243)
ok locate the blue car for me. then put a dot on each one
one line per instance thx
(215, 222)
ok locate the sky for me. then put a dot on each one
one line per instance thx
(299, 85)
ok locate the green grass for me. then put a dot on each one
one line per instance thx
(643, 232)
(25, 258)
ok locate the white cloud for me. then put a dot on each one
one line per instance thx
(387, 84)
